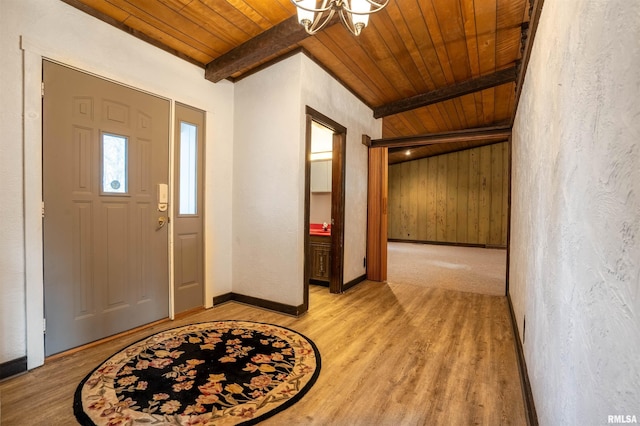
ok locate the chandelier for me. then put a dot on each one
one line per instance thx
(354, 14)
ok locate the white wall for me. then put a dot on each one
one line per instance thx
(320, 207)
(268, 185)
(50, 28)
(575, 236)
(327, 96)
(268, 176)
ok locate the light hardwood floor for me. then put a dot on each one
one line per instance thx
(391, 355)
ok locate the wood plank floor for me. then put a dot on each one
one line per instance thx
(391, 355)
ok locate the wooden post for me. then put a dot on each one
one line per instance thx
(377, 215)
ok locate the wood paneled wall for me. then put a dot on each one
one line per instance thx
(460, 197)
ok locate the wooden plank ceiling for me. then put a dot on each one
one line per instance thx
(424, 66)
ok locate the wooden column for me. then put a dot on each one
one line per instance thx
(377, 214)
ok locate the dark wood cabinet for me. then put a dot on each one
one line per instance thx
(320, 259)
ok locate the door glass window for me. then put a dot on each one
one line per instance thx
(114, 164)
(188, 168)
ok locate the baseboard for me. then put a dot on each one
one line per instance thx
(354, 282)
(223, 298)
(13, 367)
(446, 243)
(529, 403)
(260, 303)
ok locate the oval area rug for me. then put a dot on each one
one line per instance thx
(213, 373)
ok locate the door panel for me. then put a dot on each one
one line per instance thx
(189, 209)
(105, 263)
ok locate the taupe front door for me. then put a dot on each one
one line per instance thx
(105, 159)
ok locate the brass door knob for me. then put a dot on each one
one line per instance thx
(162, 221)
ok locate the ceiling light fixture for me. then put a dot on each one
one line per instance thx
(353, 13)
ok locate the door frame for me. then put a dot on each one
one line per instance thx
(336, 282)
(33, 54)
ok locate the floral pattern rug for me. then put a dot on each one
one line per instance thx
(214, 373)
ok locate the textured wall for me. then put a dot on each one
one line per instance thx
(267, 189)
(60, 32)
(575, 241)
(320, 207)
(460, 197)
(268, 178)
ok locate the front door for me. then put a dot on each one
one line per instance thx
(105, 169)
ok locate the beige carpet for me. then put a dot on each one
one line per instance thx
(470, 269)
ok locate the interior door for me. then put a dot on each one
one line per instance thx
(105, 155)
(188, 275)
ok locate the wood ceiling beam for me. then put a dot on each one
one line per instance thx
(277, 38)
(487, 134)
(439, 95)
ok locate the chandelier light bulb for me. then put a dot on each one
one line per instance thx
(314, 15)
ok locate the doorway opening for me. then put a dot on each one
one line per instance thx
(457, 199)
(324, 203)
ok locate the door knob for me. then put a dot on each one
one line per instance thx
(162, 221)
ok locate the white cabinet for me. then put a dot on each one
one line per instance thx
(321, 176)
